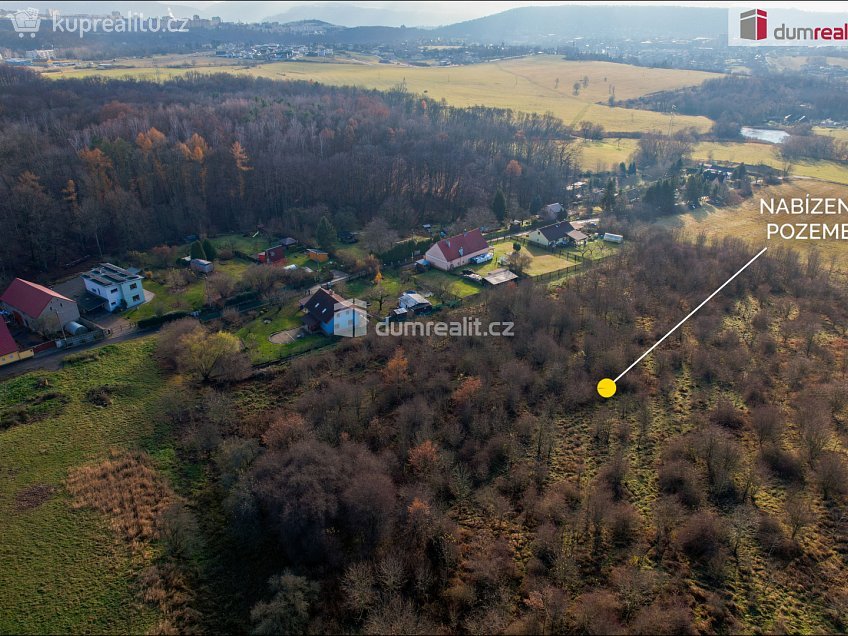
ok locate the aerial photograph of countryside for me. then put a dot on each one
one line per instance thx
(424, 317)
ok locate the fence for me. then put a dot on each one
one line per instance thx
(559, 273)
(562, 252)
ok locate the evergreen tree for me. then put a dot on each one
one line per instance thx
(499, 207)
(694, 189)
(197, 250)
(325, 233)
(608, 200)
(209, 250)
(535, 204)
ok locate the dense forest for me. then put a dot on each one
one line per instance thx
(479, 485)
(100, 166)
(754, 100)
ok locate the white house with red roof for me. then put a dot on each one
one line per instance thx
(456, 251)
(38, 308)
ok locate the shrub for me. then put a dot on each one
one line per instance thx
(155, 321)
(783, 463)
(702, 537)
(832, 474)
(727, 415)
(678, 477)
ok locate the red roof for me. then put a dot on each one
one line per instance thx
(28, 297)
(7, 343)
(468, 242)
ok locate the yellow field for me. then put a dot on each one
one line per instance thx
(526, 84)
(600, 155)
(745, 221)
(837, 133)
(606, 154)
(796, 62)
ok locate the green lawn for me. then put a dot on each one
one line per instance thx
(63, 570)
(245, 244)
(542, 261)
(354, 250)
(597, 250)
(457, 285)
(255, 333)
(189, 298)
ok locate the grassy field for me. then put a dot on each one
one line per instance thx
(608, 153)
(744, 221)
(533, 84)
(63, 570)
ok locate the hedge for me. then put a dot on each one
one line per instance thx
(156, 321)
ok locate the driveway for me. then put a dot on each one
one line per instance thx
(338, 276)
(284, 337)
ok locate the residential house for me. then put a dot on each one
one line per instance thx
(551, 235)
(288, 242)
(38, 308)
(9, 348)
(415, 302)
(118, 288)
(333, 315)
(457, 251)
(552, 211)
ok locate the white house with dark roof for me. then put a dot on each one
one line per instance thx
(334, 315)
(562, 233)
(118, 288)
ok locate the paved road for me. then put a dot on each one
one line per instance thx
(52, 360)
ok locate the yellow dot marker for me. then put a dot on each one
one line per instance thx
(606, 388)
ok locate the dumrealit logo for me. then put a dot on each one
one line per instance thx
(784, 27)
(753, 25)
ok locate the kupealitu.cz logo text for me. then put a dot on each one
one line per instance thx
(28, 21)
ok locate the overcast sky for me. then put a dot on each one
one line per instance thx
(462, 10)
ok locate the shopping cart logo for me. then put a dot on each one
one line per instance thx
(26, 21)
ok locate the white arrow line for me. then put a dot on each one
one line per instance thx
(691, 313)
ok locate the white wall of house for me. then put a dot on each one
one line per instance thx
(129, 292)
(352, 321)
(538, 238)
(435, 257)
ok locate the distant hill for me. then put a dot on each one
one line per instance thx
(350, 15)
(552, 24)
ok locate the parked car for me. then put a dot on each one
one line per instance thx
(476, 278)
(483, 258)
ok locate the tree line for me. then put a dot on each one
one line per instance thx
(99, 166)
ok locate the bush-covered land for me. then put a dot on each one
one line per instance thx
(416, 485)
